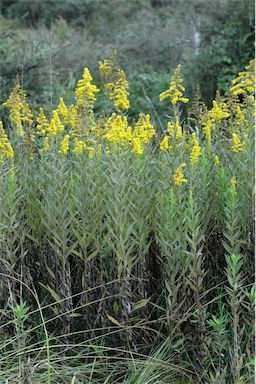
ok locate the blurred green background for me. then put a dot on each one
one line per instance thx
(48, 43)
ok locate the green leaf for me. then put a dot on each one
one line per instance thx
(140, 304)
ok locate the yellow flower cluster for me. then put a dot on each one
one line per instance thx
(55, 126)
(218, 112)
(164, 144)
(43, 124)
(238, 145)
(178, 176)
(176, 89)
(85, 91)
(245, 82)
(118, 131)
(207, 129)
(64, 144)
(19, 109)
(6, 150)
(196, 150)
(116, 83)
(75, 128)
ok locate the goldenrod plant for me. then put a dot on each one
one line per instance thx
(134, 241)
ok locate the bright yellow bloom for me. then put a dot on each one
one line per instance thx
(208, 125)
(71, 117)
(105, 68)
(116, 129)
(244, 84)
(170, 128)
(6, 151)
(196, 150)
(218, 113)
(116, 83)
(85, 91)
(55, 126)
(176, 89)
(80, 146)
(239, 116)
(137, 149)
(43, 124)
(178, 129)
(62, 109)
(143, 129)
(64, 145)
(164, 144)
(237, 144)
(178, 176)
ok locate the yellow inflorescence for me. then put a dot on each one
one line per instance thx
(164, 144)
(176, 89)
(244, 84)
(116, 83)
(62, 109)
(6, 150)
(196, 150)
(178, 176)
(85, 91)
(64, 145)
(55, 126)
(19, 109)
(238, 145)
(77, 128)
(43, 124)
(218, 112)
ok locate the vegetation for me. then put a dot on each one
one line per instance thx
(127, 247)
(48, 43)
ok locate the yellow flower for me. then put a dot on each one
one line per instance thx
(55, 126)
(164, 144)
(237, 144)
(208, 125)
(6, 150)
(178, 176)
(116, 83)
(62, 109)
(80, 146)
(19, 108)
(137, 149)
(170, 128)
(71, 117)
(244, 84)
(99, 149)
(116, 129)
(46, 145)
(176, 89)
(178, 129)
(64, 145)
(143, 129)
(216, 160)
(233, 182)
(43, 124)
(85, 91)
(91, 152)
(196, 151)
(218, 112)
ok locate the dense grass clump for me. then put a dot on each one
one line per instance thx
(127, 252)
